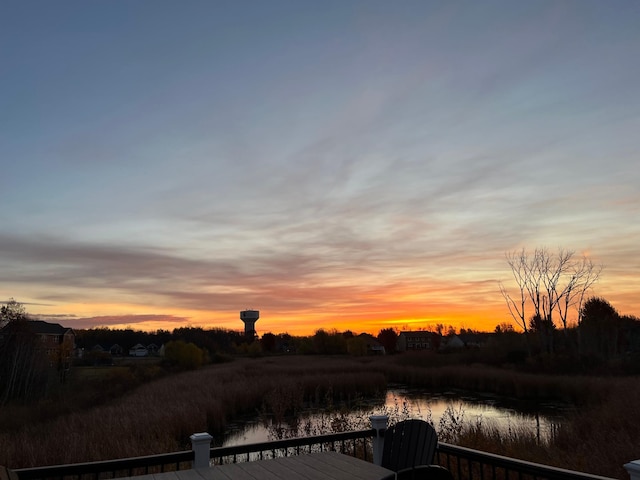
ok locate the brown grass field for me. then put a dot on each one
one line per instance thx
(159, 414)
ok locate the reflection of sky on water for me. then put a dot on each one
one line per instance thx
(488, 411)
(250, 432)
(402, 403)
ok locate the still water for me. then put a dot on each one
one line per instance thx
(400, 403)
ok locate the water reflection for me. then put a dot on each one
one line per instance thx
(503, 415)
(399, 403)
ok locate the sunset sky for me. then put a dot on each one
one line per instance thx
(336, 164)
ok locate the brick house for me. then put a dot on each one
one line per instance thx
(418, 341)
(57, 342)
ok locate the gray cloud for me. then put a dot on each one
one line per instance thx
(413, 147)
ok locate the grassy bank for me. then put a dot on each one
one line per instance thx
(575, 390)
(599, 437)
(159, 416)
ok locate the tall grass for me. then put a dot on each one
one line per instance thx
(599, 437)
(159, 416)
(575, 390)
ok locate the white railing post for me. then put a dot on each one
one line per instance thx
(379, 424)
(201, 445)
(634, 469)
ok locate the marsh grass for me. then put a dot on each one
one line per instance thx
(332, 417)
(158, 416)
(574, 390)
(599, 437)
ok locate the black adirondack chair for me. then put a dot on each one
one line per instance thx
(409, 449)
(7, 474)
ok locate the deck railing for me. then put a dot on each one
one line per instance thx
(355, 443)
(123, 467)
(468, 464)
(463, 463)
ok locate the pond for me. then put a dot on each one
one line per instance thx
(444, 410)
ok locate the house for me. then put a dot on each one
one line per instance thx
(56, 341)
(475, 340)
(114, 350)
(138, 350)
(453, 342)
(98, 355)
(96, 351)
(53, 335)
(374, 347)
(418, 340)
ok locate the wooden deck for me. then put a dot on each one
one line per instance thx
(313, 466)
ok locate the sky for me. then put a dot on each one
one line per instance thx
(337, 164)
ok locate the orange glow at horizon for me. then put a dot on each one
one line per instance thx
(409, 305)
(358, 319)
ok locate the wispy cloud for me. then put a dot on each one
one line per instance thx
(370, 163)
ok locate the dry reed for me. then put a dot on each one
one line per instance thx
(159, 416)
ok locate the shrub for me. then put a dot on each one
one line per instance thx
(186, 356)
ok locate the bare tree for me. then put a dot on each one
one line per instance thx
(553, 270)
(520, 269)
(536, 265)
(584, 274)
(550, 282)
(11, 311)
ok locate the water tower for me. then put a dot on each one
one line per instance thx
(250, 317)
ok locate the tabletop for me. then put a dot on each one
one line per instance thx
(312, 466)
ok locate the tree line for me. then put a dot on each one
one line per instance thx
(550, 300)
(547, 287)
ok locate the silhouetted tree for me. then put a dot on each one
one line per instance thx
(11, 311)
(357, 346)
(600, 326)
(583, 274)
(504, 327)
(184, 355)
(544, 329)
(268, 342)
(520, 266)
(388, 338)
(329, 343)
(549, 283)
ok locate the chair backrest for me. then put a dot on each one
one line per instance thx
(409, 443)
